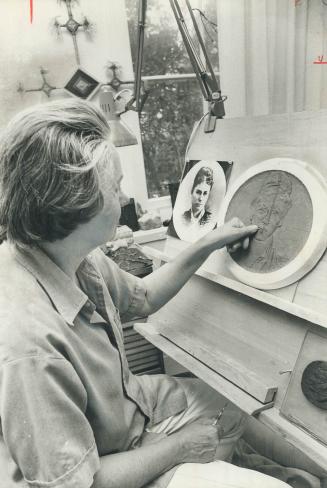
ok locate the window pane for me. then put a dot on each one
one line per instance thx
(207, 19)
(166, 124)
(172, 107)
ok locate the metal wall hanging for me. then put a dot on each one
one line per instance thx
(45, 87)
(73, 26)
(113, 71)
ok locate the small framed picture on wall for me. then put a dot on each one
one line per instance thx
(82, 85)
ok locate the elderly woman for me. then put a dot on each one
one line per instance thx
(72, 415)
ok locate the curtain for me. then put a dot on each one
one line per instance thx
(267, 50)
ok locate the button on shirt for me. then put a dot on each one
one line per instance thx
(66, 393)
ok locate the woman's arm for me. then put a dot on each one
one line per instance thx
(165, 282)
(195, 442)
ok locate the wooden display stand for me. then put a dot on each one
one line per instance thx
(242, 341)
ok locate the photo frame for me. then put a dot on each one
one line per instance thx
(300, 407)
(286, 199)
(197, 200)
(82, 85)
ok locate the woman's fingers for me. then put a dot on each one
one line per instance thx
(245, 243)
(240, 235)
(234, 247)
(245, 231)
(237, 245)
(233, 234)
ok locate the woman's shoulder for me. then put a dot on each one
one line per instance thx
(186, 216)
(206, 217)
(27, 315)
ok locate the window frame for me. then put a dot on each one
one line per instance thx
(162, 205)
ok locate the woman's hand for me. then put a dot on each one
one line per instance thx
(198, 442)
(234, 234)
(166, 281)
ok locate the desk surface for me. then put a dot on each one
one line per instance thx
(314, 450)
(293, 299)
(275, 321)
(271, 320)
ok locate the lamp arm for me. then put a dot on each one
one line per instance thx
(214, 84)
(137, 101)
(140, 45)
(209, 84)
(196, 62)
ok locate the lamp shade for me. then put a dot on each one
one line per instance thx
(121, 135)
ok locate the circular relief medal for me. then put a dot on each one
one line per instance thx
(314, 383)
(285, 200)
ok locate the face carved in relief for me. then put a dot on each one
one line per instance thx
(271, 205)
(280, 205)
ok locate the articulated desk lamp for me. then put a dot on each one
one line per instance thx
(209, 84)
(121, 135)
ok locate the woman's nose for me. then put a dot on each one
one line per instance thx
(123, 199)
(266, 219)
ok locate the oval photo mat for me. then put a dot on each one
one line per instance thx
(287, 200)
(183, 200)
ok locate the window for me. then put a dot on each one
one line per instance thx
(173, 106)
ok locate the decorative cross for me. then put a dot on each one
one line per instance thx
(72, 26)
(113, 70)
(45, 87)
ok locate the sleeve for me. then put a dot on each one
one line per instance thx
(128, 292)
(42, 408)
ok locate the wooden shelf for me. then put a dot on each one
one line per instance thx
(266, 413)
(237, 396)
(259, 295)
(273, 321)
(313, 449)
(239, 362)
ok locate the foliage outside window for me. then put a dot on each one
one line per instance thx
(172, 107)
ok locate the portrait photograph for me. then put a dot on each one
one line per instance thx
(199, 199)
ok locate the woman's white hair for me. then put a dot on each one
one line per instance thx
(50, 159)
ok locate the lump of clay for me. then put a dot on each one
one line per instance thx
(314, 383)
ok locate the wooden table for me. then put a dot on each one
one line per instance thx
(212, 302)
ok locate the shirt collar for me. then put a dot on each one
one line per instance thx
(197, 219)
(68, 298)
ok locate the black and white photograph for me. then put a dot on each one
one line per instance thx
(163, 235)
(198, 200)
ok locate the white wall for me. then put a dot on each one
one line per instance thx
(25, 47)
